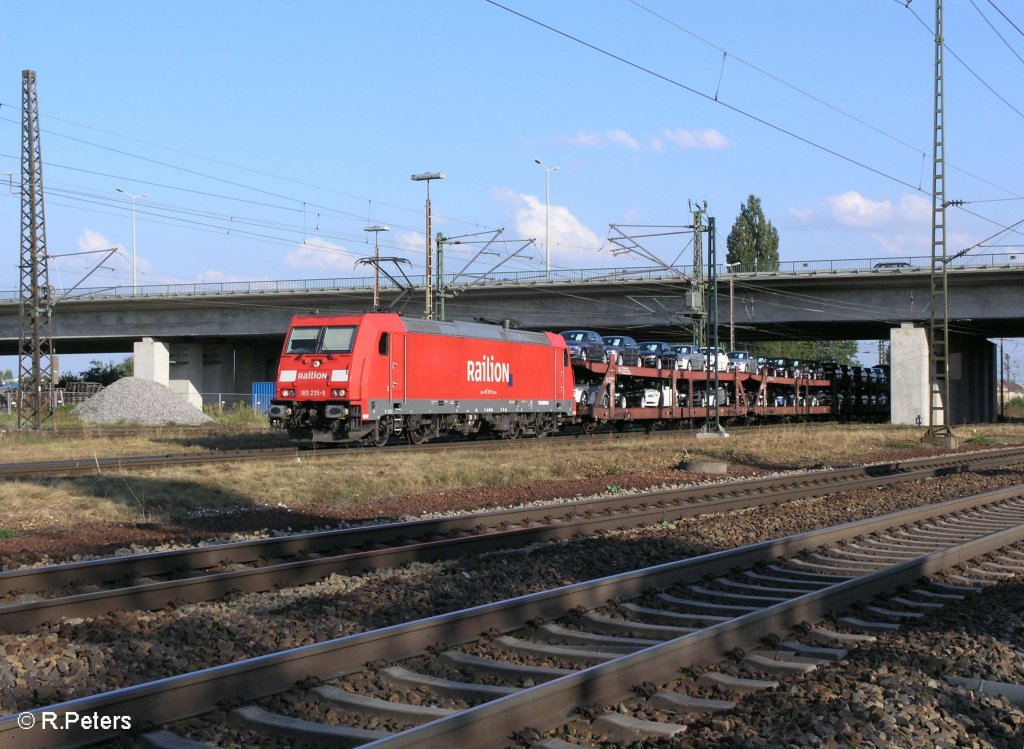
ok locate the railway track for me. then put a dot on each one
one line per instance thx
(588, 645)
(33, 595)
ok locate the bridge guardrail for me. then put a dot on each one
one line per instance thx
(890, 264)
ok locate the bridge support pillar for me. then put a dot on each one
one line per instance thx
(909, 376)
(974, 366)
(223, 373)
(187, 366)
(972, 372)
(151, 361)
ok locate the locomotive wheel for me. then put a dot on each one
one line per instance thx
(378, 436)
(514, 432)
(420, 433)
(546, 425)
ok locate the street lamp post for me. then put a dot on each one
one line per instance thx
(732, 306)
(428, 309)
(376, 263)
(135, 283)
(547, 214)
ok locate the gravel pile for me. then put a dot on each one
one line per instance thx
(139, 402)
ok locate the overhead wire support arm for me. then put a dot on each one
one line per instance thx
(627, 243)
(405, 289)
(92, 270)
(483, 276)
(458, 240)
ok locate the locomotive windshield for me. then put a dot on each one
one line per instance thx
(332, 339)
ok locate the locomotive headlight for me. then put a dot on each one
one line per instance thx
(287, 393)
(339, 392)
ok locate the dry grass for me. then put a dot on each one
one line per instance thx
(361, 478)
(21, 447)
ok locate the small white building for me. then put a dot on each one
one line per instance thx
(1009, 391)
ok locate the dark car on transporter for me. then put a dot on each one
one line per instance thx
(626, 350)
(586, 345)
(657, 354)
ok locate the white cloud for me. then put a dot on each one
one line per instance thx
(696, 139)
(916, 208)
(572, 243)
(622, 138)
(682, 138)
(321, 255)
(899, 243)
(854, 210)
(583, 139)
(801, 215)
(899, 227)
(212, 275)
(409, 243)
(90, 241)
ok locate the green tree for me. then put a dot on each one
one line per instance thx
(841, 352)
(753, 241)
(104, 373)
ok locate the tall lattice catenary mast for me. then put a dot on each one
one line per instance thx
(699, 323)
(35, 343)
(940, 416)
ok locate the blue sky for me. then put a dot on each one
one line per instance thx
(267, 136)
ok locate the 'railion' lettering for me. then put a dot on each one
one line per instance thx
(488, 370)
(312, 376)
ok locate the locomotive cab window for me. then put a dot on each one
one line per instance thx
(338, 339)
(384, 343)
(333, 339)
(303, 341)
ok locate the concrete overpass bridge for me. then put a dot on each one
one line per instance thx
(223, 336)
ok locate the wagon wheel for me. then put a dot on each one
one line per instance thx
(588, 426)
(378, 435)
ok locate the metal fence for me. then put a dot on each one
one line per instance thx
(226, 401)
(520, 278)
(262, 394)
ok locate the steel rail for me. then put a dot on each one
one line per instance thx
(490, 725)
(187, 695)
(422, 540)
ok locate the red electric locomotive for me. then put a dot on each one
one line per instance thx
(368, 377)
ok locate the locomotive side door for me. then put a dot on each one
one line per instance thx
(395, 353)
